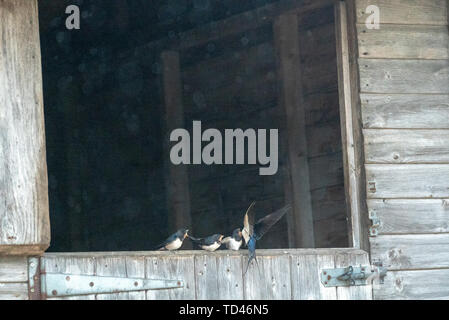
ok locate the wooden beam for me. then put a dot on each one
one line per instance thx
(24, 215)
(178, 193)
(350, 116)
(286, 38)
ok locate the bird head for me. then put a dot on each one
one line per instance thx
(183, 233)
(237, 234)
(219, 238)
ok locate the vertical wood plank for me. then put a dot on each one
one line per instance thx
(135, 268)
(344, 260)
(230, 281)
(271, 281)
(24, 215)
(175, 267)
(112, 267)
(206, 277)
(178, 194)
(350, 115)
(286, 39)
(69, 265)
(305, 277)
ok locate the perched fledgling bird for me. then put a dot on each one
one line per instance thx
(174, 242)
(210, 243)
(235, 241)
(253, 231)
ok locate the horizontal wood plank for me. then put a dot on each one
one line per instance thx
(406, 146)
(405, 111)
(405, 252)
(13, 269)
(407, 180)
(403, 42)
(13, 291)
(404, 76)
(414, 285)
(411, 216)
(431, 12)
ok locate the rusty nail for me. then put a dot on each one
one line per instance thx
(329, 277)
(324, 272)
(136, 284)
(67, 278)
(54, 292)
(179, 283)
(91, 284)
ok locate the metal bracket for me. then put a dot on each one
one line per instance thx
(34, 290)
(61, 285)
(374, 229)
(352, 276)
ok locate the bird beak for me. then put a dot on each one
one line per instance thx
(240, 234)
(186, 235)
(221, 238)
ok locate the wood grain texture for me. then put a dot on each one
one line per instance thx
(230, 281)
(14, 291)
(206, 277)
(405, 111)
(431, 12)
(13, 269)
(405, 252)
(414, 285)
(403, 42)
(24, 217)
(269, 281)
(406, 146)
(305, 273)
(411, 216)
(353, 292)
(404, 76)
(172, 267)
(407, 180)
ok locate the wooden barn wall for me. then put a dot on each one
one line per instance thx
(13, 278)
(404, 83)
(233, 83)
(284, 275)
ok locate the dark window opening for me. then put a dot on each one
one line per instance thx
(106, 122)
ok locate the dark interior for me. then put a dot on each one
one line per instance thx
(104, 117)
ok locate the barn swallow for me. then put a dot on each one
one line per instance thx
(254, 231)
(235, 241)
(210, 243)
(174, 242)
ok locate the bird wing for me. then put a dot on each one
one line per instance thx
(226, 240)
(248, 223)
(167, 241)
(196, 240)
(265, 223)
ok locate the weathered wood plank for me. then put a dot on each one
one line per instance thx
(326, 171)
(230, 281)
(403, 42)
(25, 226)
(406, 146)
(13, 269)
(408, 216)
(69, 265)
(352, 141)
(14, 291)
(414, 285)
(305, 273)
(418, 12)
(404, 76)
(206, 277)
(172, 267)
(405, 111)
(403, 252)
(135, 268)
(407, 180)
(297, 186)
(112, 267)
(353, 292)
(269, 281)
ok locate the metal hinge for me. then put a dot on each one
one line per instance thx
(374, 229)
(352, 276)
(62, 285)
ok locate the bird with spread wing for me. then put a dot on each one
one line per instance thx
(253, 231)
